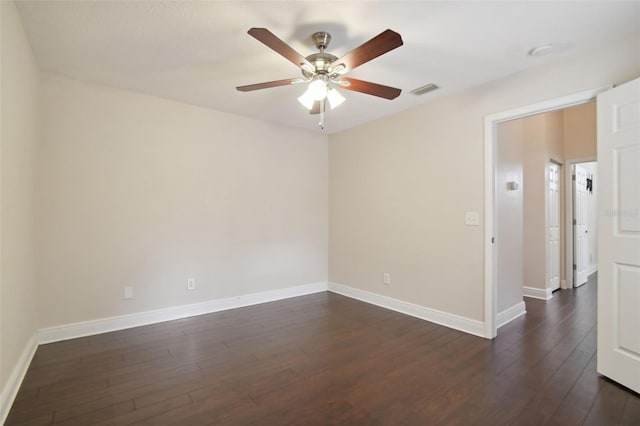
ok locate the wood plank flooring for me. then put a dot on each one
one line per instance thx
(325, 359)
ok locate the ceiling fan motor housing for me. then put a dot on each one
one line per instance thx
(321, 62)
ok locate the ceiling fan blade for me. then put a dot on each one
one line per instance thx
(380, 44)
(369, 88)
(268, 84)
(266, 37)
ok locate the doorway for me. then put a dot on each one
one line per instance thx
(584, 229)
(530, 204)
(491, 130)
(554, 221)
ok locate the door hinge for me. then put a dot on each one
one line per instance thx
(574, 222)
(574, 266)
(493, 240)
(573, 177)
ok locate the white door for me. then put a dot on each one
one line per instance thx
(619, 234)
(580, 227)
(553, 227)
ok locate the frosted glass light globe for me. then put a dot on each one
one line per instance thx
(317, 90)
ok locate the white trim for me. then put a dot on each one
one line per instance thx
(467, 325)
(547, 220)
(9, 393)
(509, 314)
(490, 259)
(490, 122)
(538, 293)
(568, 245)
(581, 284)
(103, 325)
(593, 268)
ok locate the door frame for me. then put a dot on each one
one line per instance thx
(490, 161)
(561, 225)
(568, 283)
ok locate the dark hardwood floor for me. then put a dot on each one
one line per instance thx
(325, 359)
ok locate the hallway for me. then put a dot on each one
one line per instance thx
(554, 347)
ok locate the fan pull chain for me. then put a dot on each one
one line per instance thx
(321, 123)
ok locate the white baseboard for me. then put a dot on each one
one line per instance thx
(510, 314)
(103, 325)
(538, 293)
(9, 392)
(467, 325)
(592, 269)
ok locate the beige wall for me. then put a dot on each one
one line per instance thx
(554, 138)
(399, 190)
(543, 142)
(144, 192)
(535, 159)
(399, 187)
(509, 214)
(579, 132)
(18, 152)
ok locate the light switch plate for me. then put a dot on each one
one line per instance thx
(472, 218)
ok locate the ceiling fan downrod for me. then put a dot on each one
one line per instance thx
(322, 40)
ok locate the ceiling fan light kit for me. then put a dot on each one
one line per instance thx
(335, 98)
(324, 71)
(318, 88)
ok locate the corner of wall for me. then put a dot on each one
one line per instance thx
(537, 293)
(21, 136)
(10, 390)
(506, 316)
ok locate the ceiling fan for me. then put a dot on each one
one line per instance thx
(324, 72)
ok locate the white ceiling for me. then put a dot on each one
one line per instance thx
(198, 52)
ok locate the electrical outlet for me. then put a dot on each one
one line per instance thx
(128, 292)
(386, 278)
(191, 283)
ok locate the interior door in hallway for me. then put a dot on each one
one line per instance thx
(619, 234)
(553, 227)
(580, 224)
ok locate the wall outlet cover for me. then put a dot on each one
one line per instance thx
(128, 292)
(191, 284)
